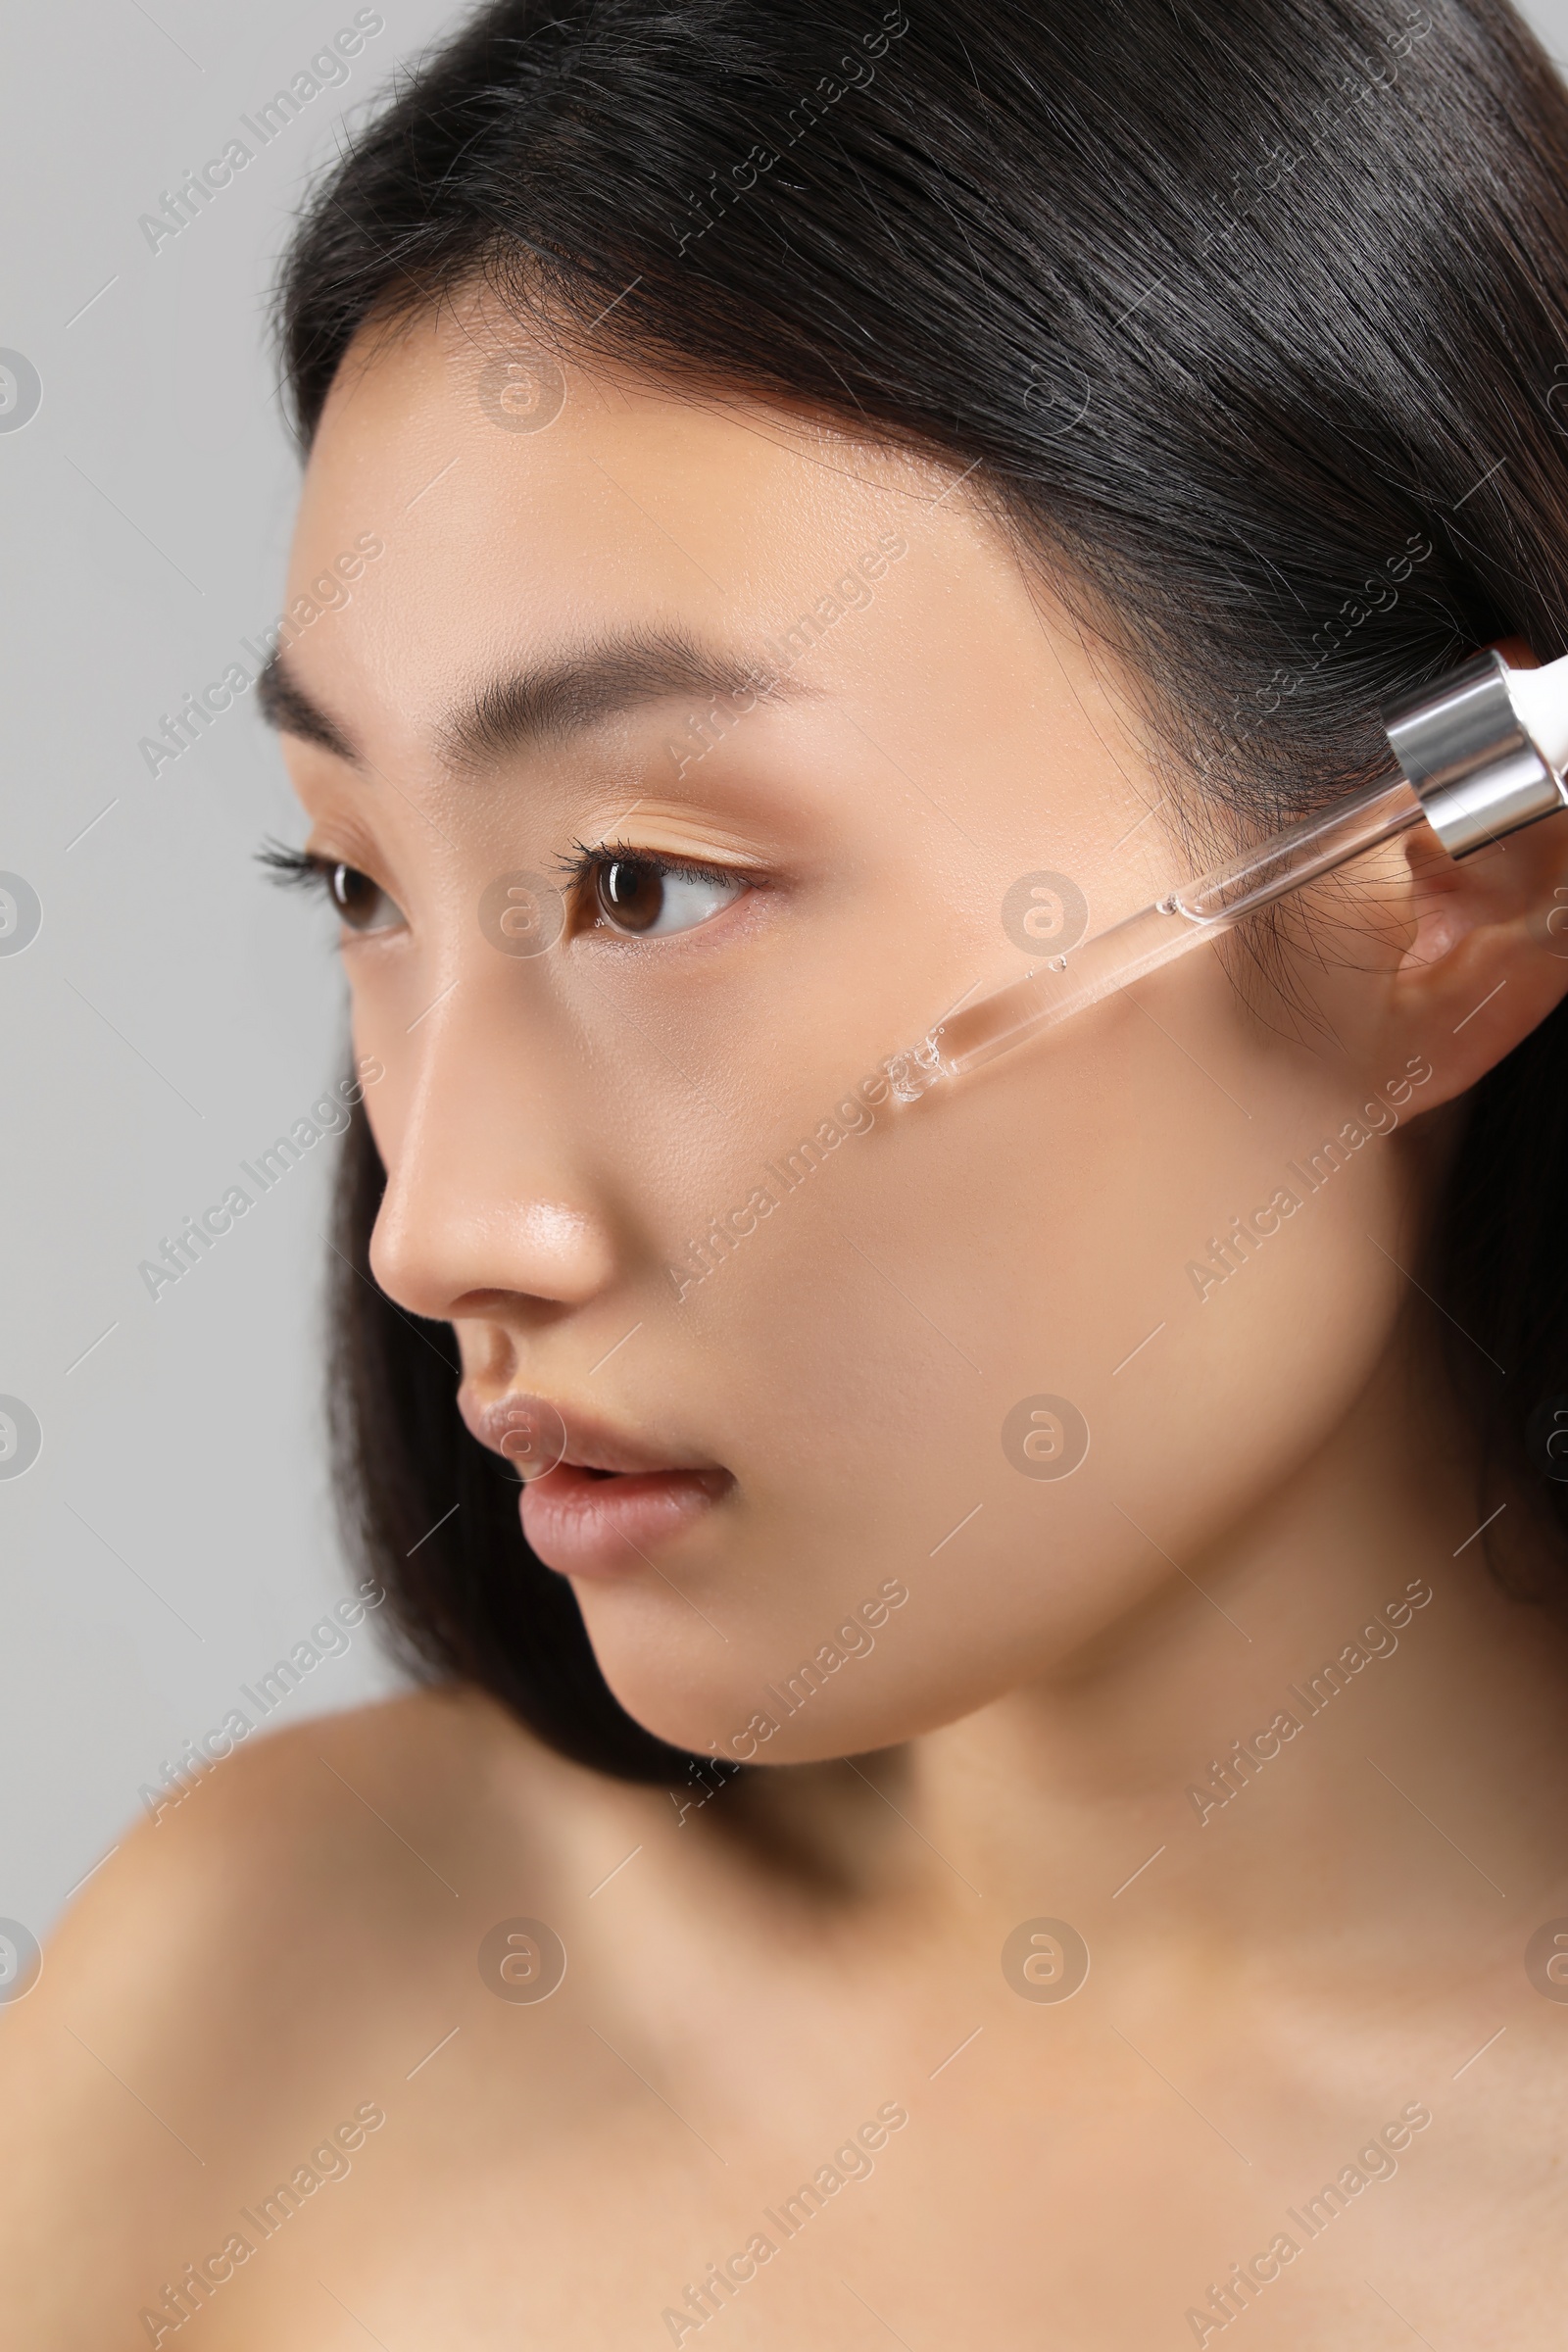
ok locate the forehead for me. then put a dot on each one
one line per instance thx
(522, 491)
(528, 508)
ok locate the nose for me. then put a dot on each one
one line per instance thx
(486, 1209)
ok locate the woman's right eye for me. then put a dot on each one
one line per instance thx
(361, 904)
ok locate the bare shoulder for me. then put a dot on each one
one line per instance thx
(227, 1978)
(299, 1846)
(316, 1822)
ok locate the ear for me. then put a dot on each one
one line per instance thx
(1464, 957)
(1486, 959)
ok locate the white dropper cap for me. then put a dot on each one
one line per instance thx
(1540, 698)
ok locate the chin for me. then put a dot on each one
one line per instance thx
(757, 1711)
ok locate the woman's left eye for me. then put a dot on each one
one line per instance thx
(644, 899)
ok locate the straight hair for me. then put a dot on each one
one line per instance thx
(1249, 318)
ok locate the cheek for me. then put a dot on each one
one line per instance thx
(1028, 1237)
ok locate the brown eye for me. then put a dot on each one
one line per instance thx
(643, 896)
(362, 904)
(630, 895)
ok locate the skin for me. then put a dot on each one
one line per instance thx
(1273, 1466)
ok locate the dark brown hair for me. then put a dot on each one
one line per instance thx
(1230, 303)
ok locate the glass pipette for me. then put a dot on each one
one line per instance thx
(1482, 754)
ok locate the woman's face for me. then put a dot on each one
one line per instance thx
(631, 952)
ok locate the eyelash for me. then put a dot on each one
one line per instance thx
(309, 869)
(295, 869)
(578, 869)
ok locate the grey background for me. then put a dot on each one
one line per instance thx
(172, 1016)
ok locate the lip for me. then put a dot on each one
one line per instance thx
(612, 1499)
(583, 1525)
(591, 1445)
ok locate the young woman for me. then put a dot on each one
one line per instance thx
(1000, 1779)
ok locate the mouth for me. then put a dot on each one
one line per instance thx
(609, 1502)
(604, 1522)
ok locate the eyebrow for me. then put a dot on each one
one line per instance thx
(522, 709)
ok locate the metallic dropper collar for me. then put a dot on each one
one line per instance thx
(1463, 745)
